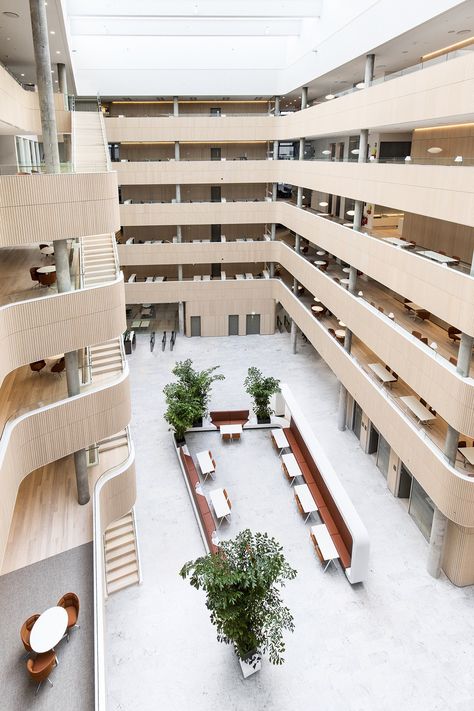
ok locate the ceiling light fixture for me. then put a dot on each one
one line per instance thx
(355, 151)
(351, 213)
(52, 32)
(326, 152)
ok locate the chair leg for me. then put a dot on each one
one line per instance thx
(38, 688)
(50, 681)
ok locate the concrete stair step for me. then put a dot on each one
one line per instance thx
(121, 562)
(122, 583)
(103, 369)
(122, 571)
(120, 551)
(118, 537)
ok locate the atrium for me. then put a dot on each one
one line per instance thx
(236, 384)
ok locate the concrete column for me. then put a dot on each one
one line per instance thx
(299, 197)
(293, 335)
(175, 106)
(301, 149)
(62, 80)
(451, 445)
(177, 153)
(39, 28)
(297, 243)
(304, 97)
(369, 69)
(363, 143)
(464, 355)
(437, 541)
(342, 408)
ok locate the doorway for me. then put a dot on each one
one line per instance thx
(215, 111)
(383, 456)
(233, 324)
(215, 153)
(357, 420)
(195, 325)
(215, 193)
(404, 483)
(216, 233)
(253, 325)
(373, 443)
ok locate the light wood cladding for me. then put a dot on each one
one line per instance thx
(453, 140)
(197, 213)
(449, 237)
(51, 433)
(31, 330)
(442, 192)
(458, 555)
(41, 208)
(19, 109)
(442, 93)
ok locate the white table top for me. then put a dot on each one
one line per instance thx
(197, 278)
(47, 250)
(48, 629)
(291, 466)
(414, 307)
(420, 411)
(219, 502)
(205, 462)
(320, 252)
(340, 332)
(231, 429)
(280, 438)
(317, 309)
(239, 276)
(382, 373)
(248, 275)
(467, 453)
(324, 541)
(319, 262)
(345, 281)
(159, 278)
(346, 270)
(305, 497)
(397, 242)
(435, 256)
(46, 270)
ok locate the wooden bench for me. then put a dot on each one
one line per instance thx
(327, 508)
(202, 506)
(229, 417)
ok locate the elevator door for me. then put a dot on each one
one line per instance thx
(195, 325)
(233, 324)
(253, 325)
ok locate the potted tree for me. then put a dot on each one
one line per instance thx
(242, 584)
(182, 409)
(199, 383)
(261, 389)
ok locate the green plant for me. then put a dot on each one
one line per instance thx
(261, 389)
(183, 408)
(242, 583)
(199, 382)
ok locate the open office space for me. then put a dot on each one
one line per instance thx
(237, 291)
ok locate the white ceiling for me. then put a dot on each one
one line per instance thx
(236, 48)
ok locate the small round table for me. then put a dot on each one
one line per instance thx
(48, 629)
(342, 325)
(315, 298)
(321, 253)
(340, 333)
(46, 270)
(343, 281)
(47, 250)
(318, 263)
(317, 309)
(346, 269)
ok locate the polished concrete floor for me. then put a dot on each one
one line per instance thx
(401, 640)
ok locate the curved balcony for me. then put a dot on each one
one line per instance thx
(60, 323)
(53, 431)
(44, 208)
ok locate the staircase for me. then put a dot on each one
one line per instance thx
(90, 149)
(122, 567)
(99, 265)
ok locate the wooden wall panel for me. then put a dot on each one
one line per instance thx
(31, 330)
(43, 436)
(458, 555)
(41, 208)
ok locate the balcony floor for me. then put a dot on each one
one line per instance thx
(401, 640)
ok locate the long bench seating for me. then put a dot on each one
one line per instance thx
(229, 417)
(202, 506)
(327, 508)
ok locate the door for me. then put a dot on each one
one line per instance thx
(383, 456)
(421, 509)
(373, 440)
(233, 324)
(404, 484)
(195, 325)
(216, 271)
(215, 193)
(253, 325)
(216, 233)
(357, 420)
(215, 153)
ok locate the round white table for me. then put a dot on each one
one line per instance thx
(318, 263)
(317, 309)
(346, 269)
(47, 269)
(341, 324)
(315, 298)
(340, 333)
(48, 629)
(343, 281)
(321, 253)
(47, 250)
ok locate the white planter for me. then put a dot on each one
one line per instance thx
(252, 666)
